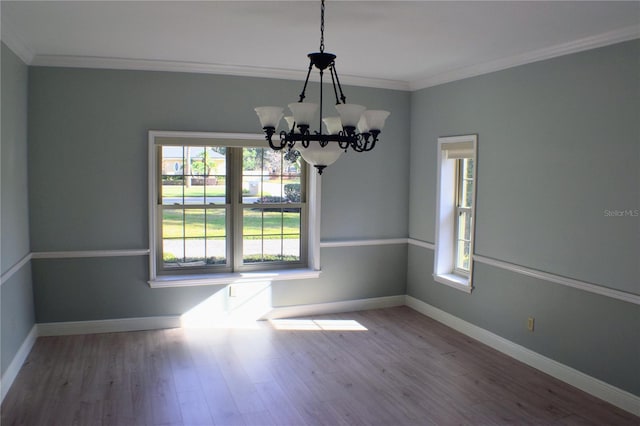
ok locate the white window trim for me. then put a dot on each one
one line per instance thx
(313, 203)
(444, 261)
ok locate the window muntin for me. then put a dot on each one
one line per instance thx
(228, 209)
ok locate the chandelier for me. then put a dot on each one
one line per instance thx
(355, 127)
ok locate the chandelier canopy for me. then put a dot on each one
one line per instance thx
(355, 127)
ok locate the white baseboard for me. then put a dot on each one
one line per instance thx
(591, 385)
(18, 360)
(152, 323)
(335, 307)
(107, 326)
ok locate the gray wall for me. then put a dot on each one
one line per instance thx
(88, 187)
(559, 143)
(17, 313)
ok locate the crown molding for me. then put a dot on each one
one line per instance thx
(592, 42)
(202, 68)
(600, 40)
(15, 43)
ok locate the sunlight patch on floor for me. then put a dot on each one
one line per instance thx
(317, 325)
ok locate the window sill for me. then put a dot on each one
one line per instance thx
(232, 278)
(456, 281)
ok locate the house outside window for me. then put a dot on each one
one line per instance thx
(455, 211)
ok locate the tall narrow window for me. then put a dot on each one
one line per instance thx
(455, 211)
(224, 206)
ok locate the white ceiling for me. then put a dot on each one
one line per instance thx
(394, 44)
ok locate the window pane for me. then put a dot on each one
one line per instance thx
(216, 251)
(193, 174)
(292, 169)
(466, 258)
(465, 182)
(252, 250)
(194, 252)
(291, 221)
(216, 189)
(463, 240)
(467, 227)
(252, 223)
(172, 237)
(463, 255)
(194, 223)
(271, 234)
(292, 189)
(269, 178)
(215, 170)
(468, 170)
(172, 189)
(271, 162)
(467, 194)
(172, 223)
(172, 160)
(272, 222)
(251, 188)
(216, 223)
(172, 252)
(273, 250)
(464, 225)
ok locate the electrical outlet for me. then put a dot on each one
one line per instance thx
(530, 323)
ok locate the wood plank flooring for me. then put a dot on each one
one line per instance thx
(404, 369)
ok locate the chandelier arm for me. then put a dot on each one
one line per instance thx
(304, 88)
(333, 81)
(282, 143)
(358, 144)
(342, 96)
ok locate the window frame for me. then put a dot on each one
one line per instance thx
(309, 267)
(449, 185)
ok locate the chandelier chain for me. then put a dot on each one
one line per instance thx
(322, 26)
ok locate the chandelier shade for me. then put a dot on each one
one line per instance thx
(355, 127)
(350, 114)
(303, 113)
(269, 116)
(319, 156)
(333, 125)
(375, 119)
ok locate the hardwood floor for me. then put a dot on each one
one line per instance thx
(404, 369)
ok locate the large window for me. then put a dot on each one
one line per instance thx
(225, 205)
(455, 211)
